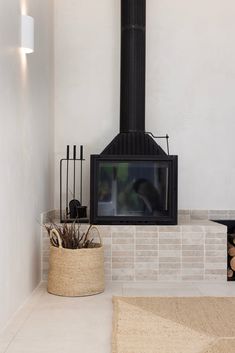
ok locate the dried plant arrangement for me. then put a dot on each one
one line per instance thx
(70, 236)
(76, 261)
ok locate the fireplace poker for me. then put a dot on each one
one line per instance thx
(67, 181)
(81, 159)
(74, 170)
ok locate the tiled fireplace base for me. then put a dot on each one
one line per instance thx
(195, 250)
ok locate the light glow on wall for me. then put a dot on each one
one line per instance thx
(23, 7)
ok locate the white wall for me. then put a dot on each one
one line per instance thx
(190, 87)
(26, 145)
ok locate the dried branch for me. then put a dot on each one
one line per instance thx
(71, 236)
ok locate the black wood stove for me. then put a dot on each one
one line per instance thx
(133, 181)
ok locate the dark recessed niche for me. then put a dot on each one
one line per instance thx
(230, 247)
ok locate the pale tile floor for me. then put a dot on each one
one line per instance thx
(51, 324)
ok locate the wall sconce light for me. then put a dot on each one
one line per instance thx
(27, 34)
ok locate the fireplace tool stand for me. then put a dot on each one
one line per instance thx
(71, 208)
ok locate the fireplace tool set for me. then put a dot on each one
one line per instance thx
(71, 208)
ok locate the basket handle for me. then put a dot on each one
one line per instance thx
(99, 236)
(56, 233)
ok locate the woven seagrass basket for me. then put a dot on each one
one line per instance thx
(76, 272)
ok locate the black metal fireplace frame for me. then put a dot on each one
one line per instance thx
(171, 219)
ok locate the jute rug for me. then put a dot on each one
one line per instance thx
(173, 325)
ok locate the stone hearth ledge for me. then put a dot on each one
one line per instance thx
(194, 250)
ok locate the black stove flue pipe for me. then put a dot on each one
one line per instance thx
(133, 48)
